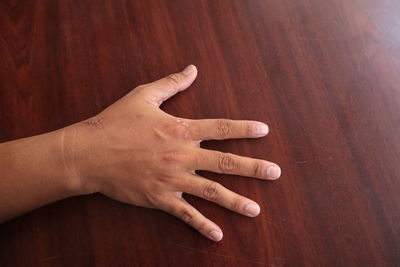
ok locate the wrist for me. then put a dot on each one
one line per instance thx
(69, 158)
(81, 143)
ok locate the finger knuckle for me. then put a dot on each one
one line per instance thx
(155, 199)
(236, 204)
(178, 129)
(181, 129)
(174, 158)
(224, 127)
(211, 191)
(249, 129)
(258, 169)
(173, 79)
(202, 227)
(185, 216)
(226, 163)
(164, 178)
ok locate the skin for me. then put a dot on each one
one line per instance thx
(135, 153)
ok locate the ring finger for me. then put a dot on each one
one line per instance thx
(220, 162)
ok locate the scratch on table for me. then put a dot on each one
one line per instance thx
(273, 224)
(223, 255)
(312, 160)
(57, 256)
(51, 257)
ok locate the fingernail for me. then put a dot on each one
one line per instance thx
(216, 235)
(273, 172)
(189, 69)
(252, 209)
(260, 129)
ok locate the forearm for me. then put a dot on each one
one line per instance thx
(34, 172)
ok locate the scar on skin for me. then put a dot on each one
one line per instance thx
(185, 125)
(98, 123)
(94, 122)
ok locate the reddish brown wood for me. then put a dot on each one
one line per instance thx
(323, 74)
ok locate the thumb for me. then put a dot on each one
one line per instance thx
(159, 91)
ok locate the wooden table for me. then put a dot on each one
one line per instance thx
(324, 75)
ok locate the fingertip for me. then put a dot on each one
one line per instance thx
(216, 235)
(252, 209)
(189, 70)
(273, 172)
(260, 129)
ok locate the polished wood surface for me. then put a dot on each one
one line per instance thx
(324, 75)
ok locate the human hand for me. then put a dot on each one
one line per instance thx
(136, 153)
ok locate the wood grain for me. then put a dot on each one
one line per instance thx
(324, 75)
